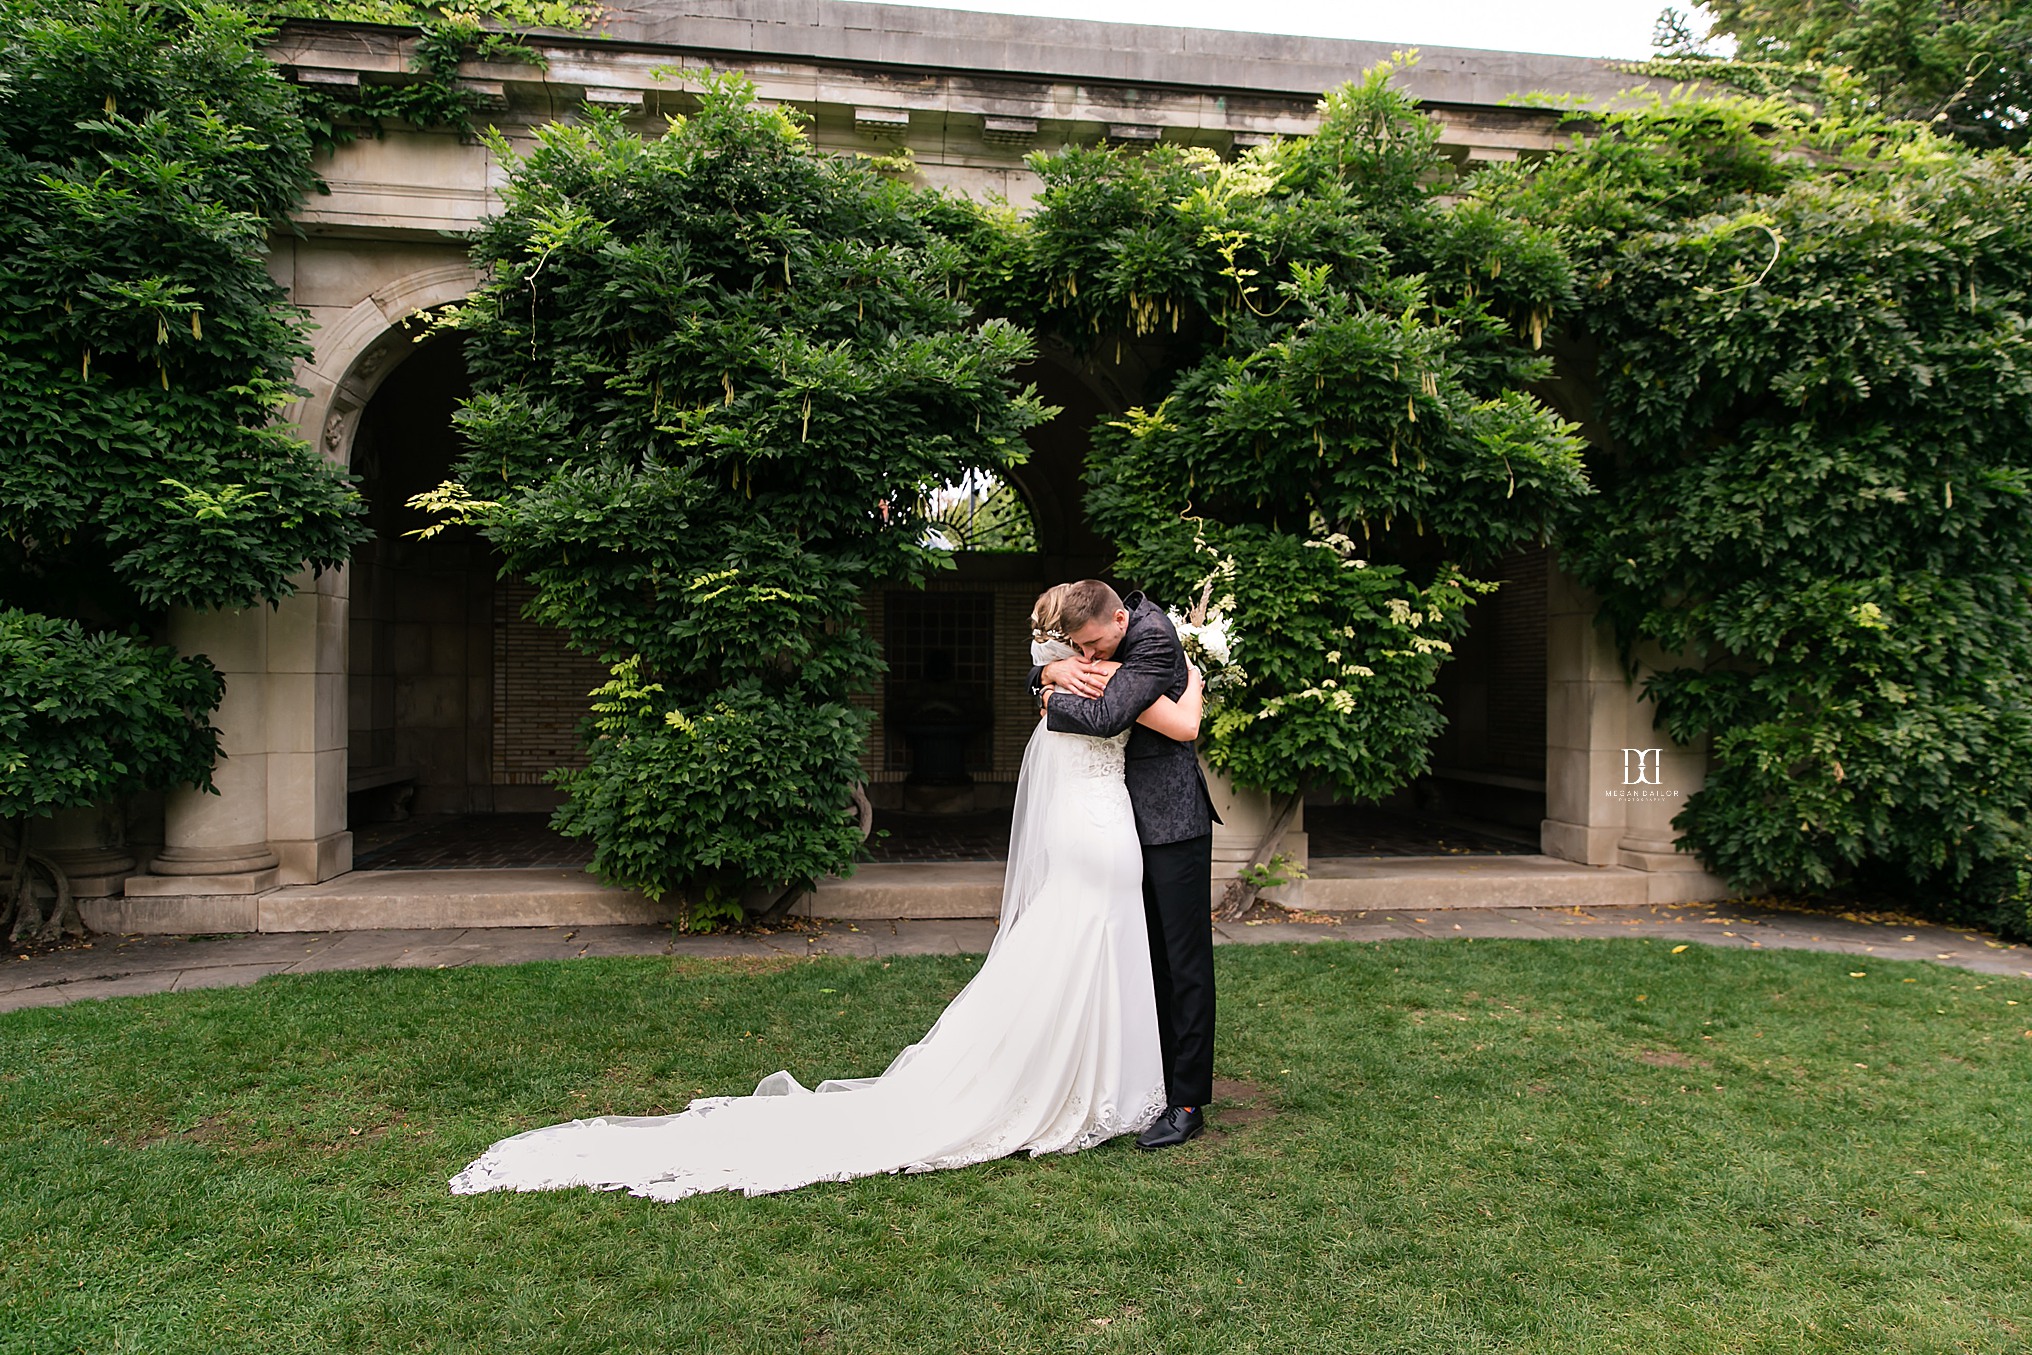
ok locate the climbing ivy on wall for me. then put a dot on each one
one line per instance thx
(1338, 431)
(1807, 341)
(446, 35)
(1799, 333)
(506, 15)
(715, 374)
(144, 349)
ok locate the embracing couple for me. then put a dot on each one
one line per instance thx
(1093, 1013)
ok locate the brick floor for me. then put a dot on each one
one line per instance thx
(1359, 830)
(940, 837)
(467, 842)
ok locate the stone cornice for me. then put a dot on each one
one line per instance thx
(1136, 54)
(969, 95)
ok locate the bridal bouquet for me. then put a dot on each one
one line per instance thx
(1206, 644)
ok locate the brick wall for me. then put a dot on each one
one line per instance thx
(1495, 690)
(418, 680)
(1006, 604)
(1516, 735)
(540, 687)
(1492, 691)
(540, 693)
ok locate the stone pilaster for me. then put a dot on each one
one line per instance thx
(1613, 782)
(1658, 776)
(1586, 712)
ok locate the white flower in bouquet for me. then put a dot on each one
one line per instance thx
(1211, 638)
(1206, 645)
(1203, 631)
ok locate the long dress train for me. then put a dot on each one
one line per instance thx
(1051, 1048)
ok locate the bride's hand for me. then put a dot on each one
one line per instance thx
(1194, 679)
(1107, 668)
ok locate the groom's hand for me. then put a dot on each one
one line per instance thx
(1076, 676)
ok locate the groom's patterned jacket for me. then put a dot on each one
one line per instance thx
(1167, 790)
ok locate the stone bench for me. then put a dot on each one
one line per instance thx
(388, 790)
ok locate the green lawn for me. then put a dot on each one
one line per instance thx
(1469, 1146)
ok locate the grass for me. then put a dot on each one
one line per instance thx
(1462, 1146)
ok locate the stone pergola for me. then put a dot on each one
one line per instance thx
(969, 95)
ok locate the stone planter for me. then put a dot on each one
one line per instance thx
(1245, 817)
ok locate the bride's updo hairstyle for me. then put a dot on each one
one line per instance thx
(1085, 602)
(1046, 621)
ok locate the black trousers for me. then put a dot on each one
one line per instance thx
(1178, 908)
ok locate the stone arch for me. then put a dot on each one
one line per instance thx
(1025, 494)
(1052, 482)
(354, 353)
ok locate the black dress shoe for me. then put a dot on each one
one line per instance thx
(1173, 1127)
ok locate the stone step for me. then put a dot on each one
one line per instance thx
(1367, 884)
(560, 897)
(555, 897)
(885, 889)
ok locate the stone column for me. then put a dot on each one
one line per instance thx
(307, 730)
(215, 856)
(1587, 705)
(91, 846)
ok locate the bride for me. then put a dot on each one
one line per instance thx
(1051, 1048)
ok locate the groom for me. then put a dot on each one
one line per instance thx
(1174, 822)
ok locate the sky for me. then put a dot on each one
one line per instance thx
(1597, 28)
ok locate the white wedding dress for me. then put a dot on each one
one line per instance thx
(1051, 1048)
